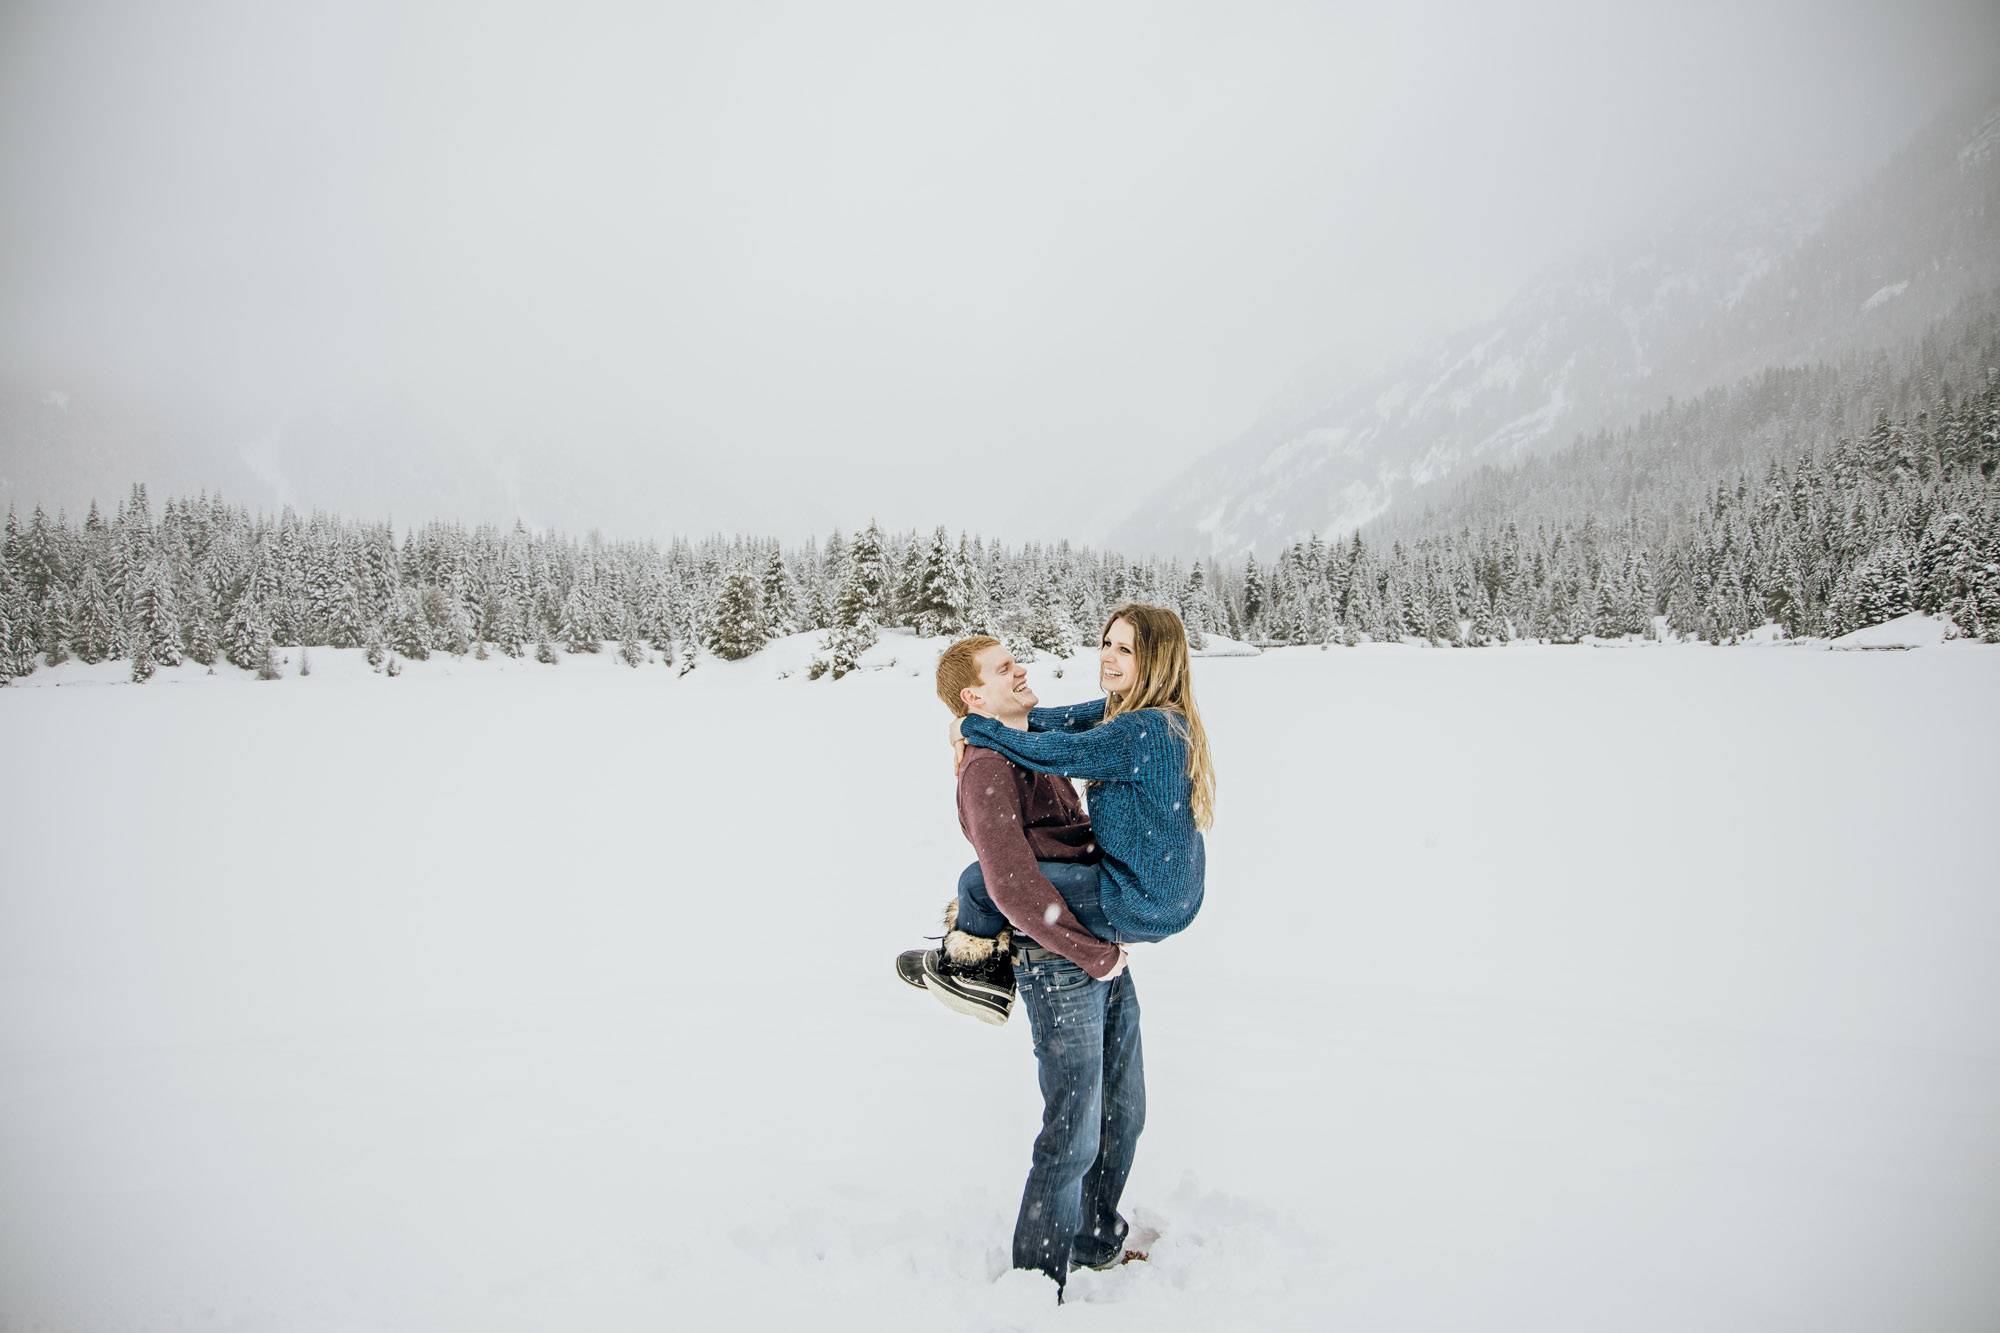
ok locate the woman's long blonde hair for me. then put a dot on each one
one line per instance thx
(1162, 679)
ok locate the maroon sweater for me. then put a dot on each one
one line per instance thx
(1014, 818)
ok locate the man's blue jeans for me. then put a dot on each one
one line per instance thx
(1093, 1076)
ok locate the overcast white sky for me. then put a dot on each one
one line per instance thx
(869, 258)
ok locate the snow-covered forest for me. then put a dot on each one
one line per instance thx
(207, 580)
(1820, 498)
(1823, 497)
(1744, 508)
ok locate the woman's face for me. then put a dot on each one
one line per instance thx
(1115, 663)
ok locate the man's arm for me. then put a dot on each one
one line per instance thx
(989, 804)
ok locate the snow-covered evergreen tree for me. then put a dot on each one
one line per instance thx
(267, 658)
(1195, 610)
(660, 621)
(17, 644)
(448, 621)
(631, 645)
(975, 563)
(778, 596)
(865, 584)
(244, 629)
(409, 629)
(347, 626)
(931, 601)
(92, 632)
(56, 631)
(203, 644)
(944, 597)
(578, 628)
(840, 652)
(736, 617)
(1048, 628)
(157, 623)
(34, 559)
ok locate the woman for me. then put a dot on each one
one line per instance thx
(1144, 753)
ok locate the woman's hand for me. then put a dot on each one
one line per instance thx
(957, 746)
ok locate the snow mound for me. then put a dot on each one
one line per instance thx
(1218, 646)
(792, 655)
(1915, 630)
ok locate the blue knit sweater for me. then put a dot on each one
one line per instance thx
(1154, 859)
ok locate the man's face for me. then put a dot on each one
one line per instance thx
(1002, 693)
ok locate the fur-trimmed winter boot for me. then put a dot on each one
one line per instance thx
(973, 974)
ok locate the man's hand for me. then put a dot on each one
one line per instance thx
(1124, 957)
(957, 746)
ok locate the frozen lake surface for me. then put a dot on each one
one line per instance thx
(1538, 988)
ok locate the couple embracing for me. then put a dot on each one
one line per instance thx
(1047, 911)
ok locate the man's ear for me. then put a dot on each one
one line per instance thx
(968, 698)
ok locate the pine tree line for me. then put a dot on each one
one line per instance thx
(207, 580)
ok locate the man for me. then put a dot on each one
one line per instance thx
(1030, 832)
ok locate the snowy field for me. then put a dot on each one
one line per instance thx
(1538, 989)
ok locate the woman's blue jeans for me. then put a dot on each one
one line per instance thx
(1075, 881)
(1093, 1077)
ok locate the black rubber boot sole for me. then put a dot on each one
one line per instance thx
(989, 1002)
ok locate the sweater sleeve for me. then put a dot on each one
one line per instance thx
(1067, 717)
(1112, 752)
(989, 804)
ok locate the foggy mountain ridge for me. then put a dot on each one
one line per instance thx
(1597, 341)
(1592, 343)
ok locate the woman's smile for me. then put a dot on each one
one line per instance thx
(1114, 657)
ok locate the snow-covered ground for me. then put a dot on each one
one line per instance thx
(1539, 989)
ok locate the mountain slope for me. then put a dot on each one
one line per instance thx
(1597, 341)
